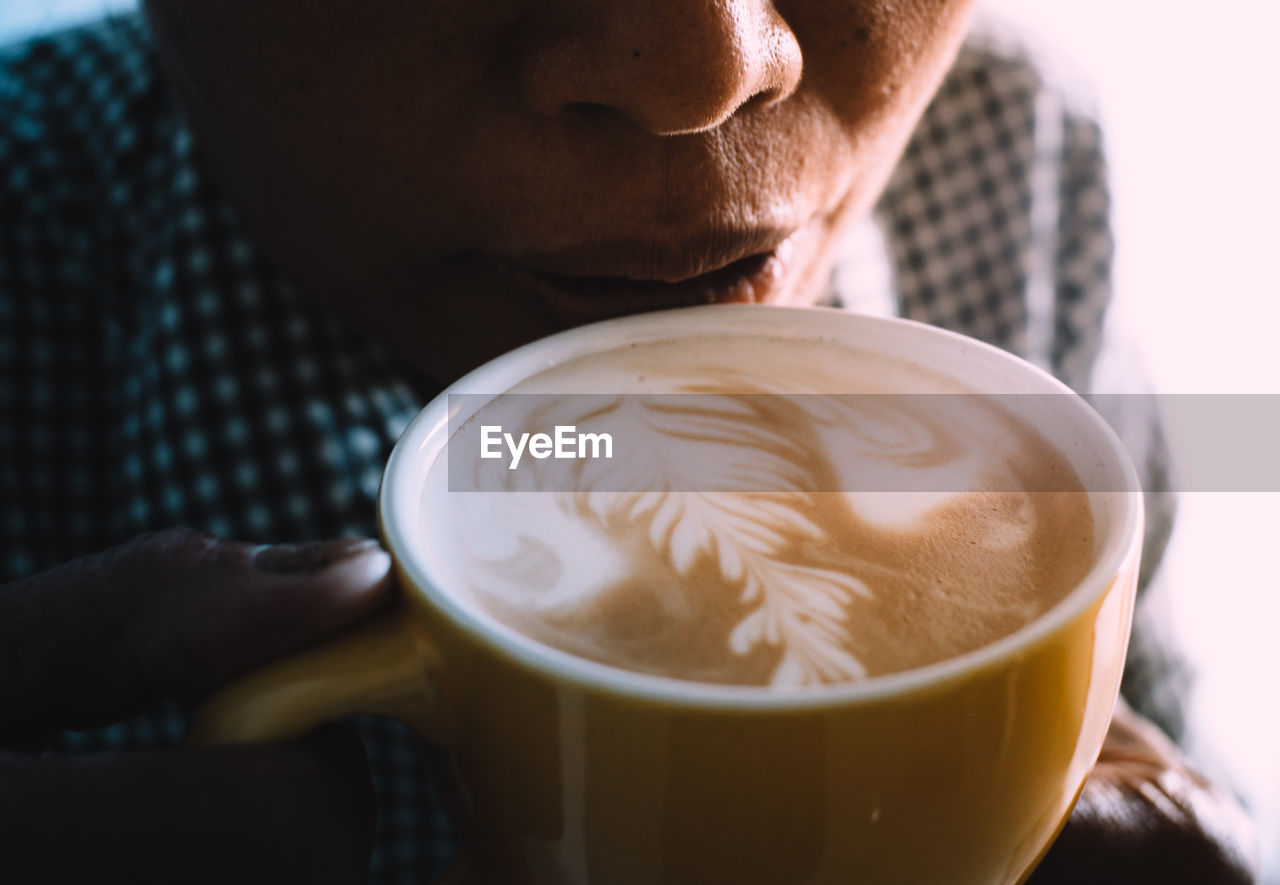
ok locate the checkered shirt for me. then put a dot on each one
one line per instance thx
(156, 371)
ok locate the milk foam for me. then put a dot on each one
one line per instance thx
(787, 583)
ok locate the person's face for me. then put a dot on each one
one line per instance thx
(463, 176)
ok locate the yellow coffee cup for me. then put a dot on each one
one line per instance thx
(571, 772)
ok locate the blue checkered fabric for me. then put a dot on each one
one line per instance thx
(155, 370)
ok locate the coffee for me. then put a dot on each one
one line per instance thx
(752, 530)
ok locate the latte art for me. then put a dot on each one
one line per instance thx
(743, 536)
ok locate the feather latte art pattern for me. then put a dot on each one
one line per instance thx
(736, 538)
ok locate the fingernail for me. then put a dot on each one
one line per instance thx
(309, 559)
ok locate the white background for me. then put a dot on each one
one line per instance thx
(1188, 97)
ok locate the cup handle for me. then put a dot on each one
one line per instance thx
(385, 666)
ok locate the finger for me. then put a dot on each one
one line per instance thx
(294, 813)
(1146, 817)
(169, 615)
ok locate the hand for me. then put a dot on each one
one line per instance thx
(1146, 817)
(173, 615)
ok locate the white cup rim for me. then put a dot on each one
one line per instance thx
(400, 510)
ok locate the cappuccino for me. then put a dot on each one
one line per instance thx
(774, 512)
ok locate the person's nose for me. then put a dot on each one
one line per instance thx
(671, 66)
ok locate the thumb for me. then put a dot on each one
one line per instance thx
(170, 615)
(1145, 816)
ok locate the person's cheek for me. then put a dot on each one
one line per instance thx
(870, 69)
(873, 59)
(335, 128)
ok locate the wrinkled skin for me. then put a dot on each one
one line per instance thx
(170, 616)
(1146, 817)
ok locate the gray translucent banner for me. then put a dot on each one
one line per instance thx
(919, 443)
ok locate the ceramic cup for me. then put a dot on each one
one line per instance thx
(568, 772)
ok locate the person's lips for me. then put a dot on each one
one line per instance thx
(674, 257)
(597, 283)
